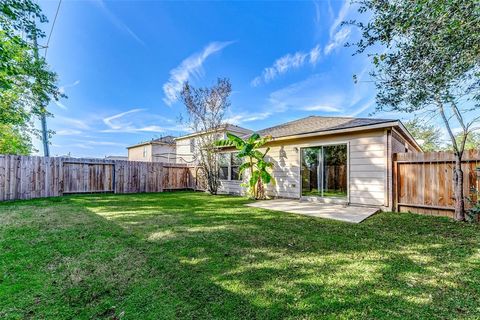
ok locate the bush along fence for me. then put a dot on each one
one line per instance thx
(27, 177)
(423, 182)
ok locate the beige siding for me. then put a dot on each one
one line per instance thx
(163, 153)
(367, 174)
(137, 153)
(231, 187)
(183, 153)
(154, 153)
(183, 150)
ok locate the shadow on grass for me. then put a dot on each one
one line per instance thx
(190, 255)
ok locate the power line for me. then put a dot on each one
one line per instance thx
(43, 117)
(51, 29)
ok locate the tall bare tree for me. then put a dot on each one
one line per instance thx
(206, 111)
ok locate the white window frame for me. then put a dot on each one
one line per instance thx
(229, 170)
(145, 151)
(299, 159)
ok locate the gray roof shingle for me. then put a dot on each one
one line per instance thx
(166, 140)
(314, 124)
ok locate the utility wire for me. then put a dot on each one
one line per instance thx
(43, 118)
(51, 29)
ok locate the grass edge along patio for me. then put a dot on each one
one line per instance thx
(331, 159)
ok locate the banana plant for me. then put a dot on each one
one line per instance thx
(255, 163)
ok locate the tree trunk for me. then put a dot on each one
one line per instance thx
(254, 190)
(260, 190)
(212, 185)
(459, 199)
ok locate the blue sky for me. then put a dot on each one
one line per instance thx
(121, 63)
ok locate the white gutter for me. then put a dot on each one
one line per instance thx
(336, 131)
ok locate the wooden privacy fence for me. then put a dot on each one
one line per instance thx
(25, 177)
(423, 182)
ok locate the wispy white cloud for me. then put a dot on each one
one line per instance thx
(330, 9)
(338, 34)
(324, 108)
(104, 143)
(342, 14)
(119, 24)
(113, 124)
(62, 89)
(364, 107)
(154, 129)
(60, 105)
(191, 66)
(70, 85)
(73, 123)
(339, 38)
(92, 144)
(244, 117)
(317, 19)
(67, 132)
(134, 121)
(321, 94)
(286, 63)
(316, 90)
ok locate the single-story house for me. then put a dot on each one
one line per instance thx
(329, 159)
(155, 150)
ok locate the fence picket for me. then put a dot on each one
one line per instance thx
(424, 181)
(27, 177)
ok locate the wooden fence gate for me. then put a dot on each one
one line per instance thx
(423, 182)
(81, 177)
(24, 177)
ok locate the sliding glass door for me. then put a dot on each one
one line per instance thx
(324, 171)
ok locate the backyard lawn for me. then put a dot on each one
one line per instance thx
(195, 256)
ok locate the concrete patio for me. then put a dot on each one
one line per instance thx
(353, 214)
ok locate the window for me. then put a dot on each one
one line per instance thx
(228, 166)
(145, 152)
(192, 145)
(235, 166)
(223, 164)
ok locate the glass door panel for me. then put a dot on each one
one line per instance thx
(324, 171)
(335, 171)
(311, 171)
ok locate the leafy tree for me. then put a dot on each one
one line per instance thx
(472, 141)
(255, 163)
(428, 135)
(26, 83)
(206, 111)
(428, 63)
(14, 141)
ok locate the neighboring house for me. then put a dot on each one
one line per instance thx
(156, 150)
(329, 159)
(186, 145)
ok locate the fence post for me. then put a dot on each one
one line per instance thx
(162, 172)
(395, 183)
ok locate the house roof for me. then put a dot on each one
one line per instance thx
(314, 124)
(165, 140)
(168, 140)
(224, 127)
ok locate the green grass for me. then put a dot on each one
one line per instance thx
(190, 255)
(326, 193)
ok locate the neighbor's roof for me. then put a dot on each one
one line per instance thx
(165, 140)
(314, 124)
(170, 140)
(223, 127)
